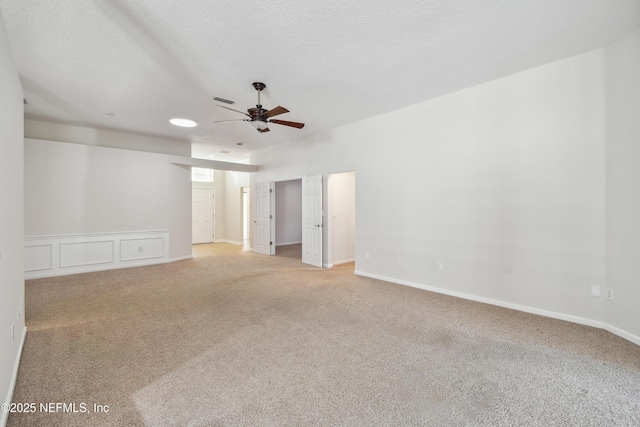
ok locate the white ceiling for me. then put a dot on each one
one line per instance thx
(329, 62)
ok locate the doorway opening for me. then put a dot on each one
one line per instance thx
(341, 218)
(288, 212)
(202, 206)
(288, 219)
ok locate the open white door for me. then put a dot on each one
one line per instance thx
(312, 220)
(262, 242)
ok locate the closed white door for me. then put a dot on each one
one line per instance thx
(312, 220)
(263, 196)
(202, 209)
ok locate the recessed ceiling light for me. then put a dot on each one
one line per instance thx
(239, 144)
(212, 156)
(185, 123)
(224, 152)
(108, 113)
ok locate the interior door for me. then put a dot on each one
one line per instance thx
(263, 196)
(202, 201)
(312, 220)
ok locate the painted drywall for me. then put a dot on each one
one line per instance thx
(77, 189)
(503, 183)
(288, 212)
(342, 208)
(623, 182)
(36, 129)
(11, 221)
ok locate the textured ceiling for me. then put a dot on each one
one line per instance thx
(330, 63)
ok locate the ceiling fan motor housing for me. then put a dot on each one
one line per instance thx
(256, 113)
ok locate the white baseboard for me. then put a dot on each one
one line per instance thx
(180, 258)
(546, 313)
(288, 243)
(344, 261)
(232, 242)
(4, 416)
(622, 334)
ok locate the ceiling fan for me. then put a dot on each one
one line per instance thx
(260, 118)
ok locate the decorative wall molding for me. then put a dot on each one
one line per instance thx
(48, 256)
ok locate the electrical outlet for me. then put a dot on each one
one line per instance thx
(610, 294)
(13, 335)
(595, 291)
(399, 260)
(440, 266)
(139, 248)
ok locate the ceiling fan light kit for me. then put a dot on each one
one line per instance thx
(259, 117)
(258, 124)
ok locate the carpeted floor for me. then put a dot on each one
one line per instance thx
(234, 338)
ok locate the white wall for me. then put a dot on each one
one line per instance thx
(623, 182)
(11, 220)
(77, 189)
(342, 208)
(503, 183)
(288, 212)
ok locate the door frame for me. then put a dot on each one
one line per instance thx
(330, 223)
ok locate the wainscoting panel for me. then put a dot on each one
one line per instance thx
(47, 256)
(86, 253)
(38, 257)
(134, 249)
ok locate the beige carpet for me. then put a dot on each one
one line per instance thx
(234, 338)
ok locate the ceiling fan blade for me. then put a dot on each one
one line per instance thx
(264, 130)
(275, 112)
(237, 111)
(286, 123)
(234, 120)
